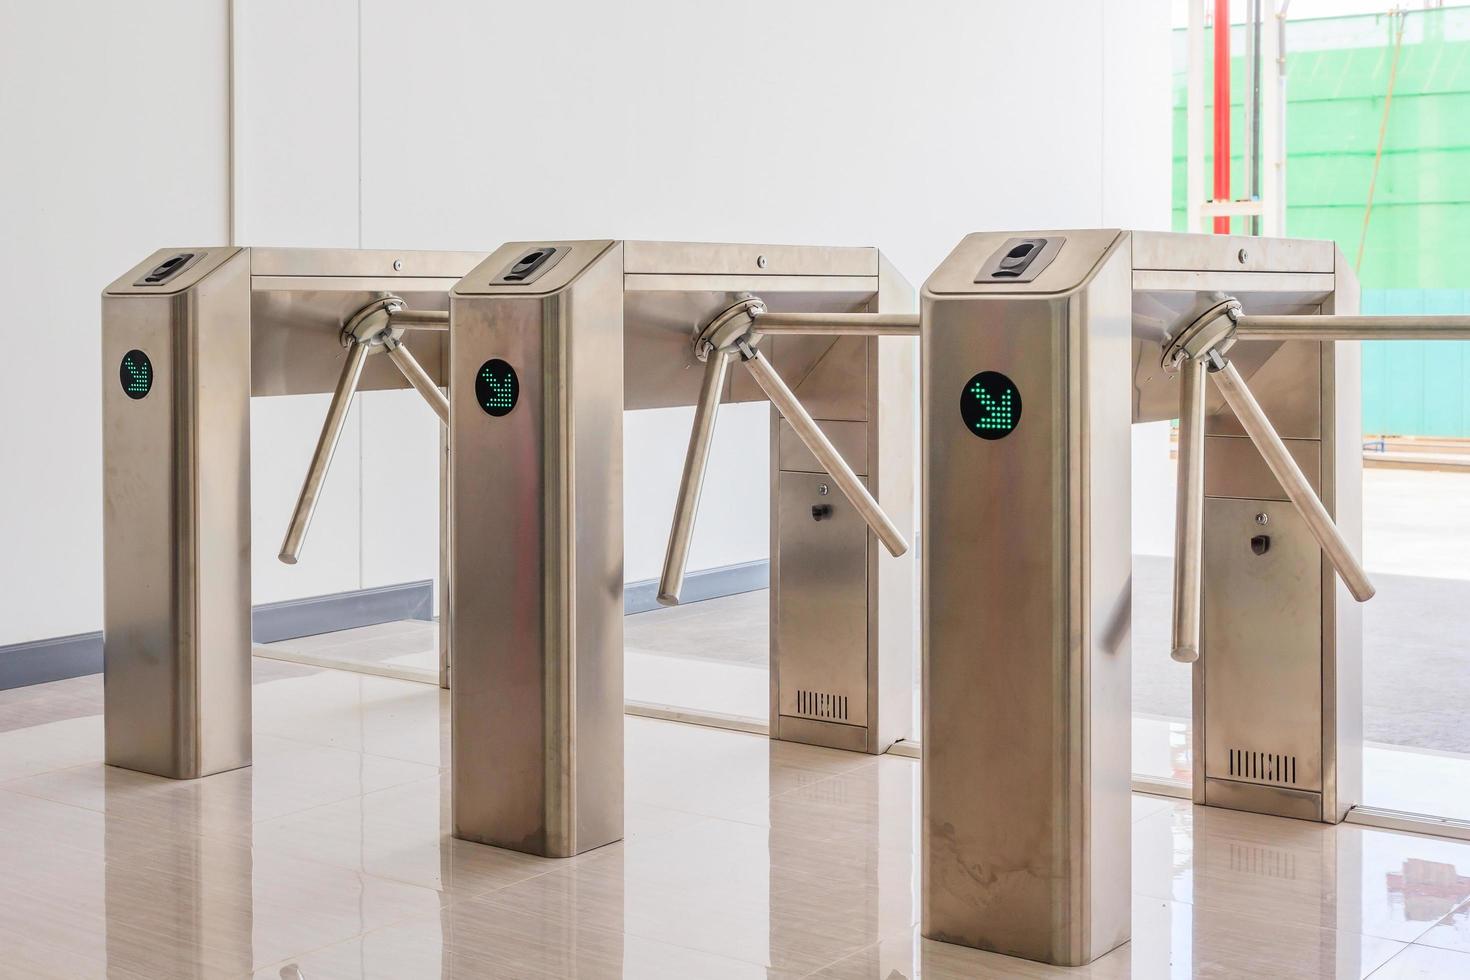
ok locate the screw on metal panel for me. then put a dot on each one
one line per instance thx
(397, 265)
(760, 261)
(1263, 519)
(1243, 255)
(823, 489)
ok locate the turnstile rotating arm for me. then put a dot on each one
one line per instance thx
(415, 374)
(321, 458)
(691, 483)
(1189, 518)
(377, 326)
(1291, 477)
(821, 447)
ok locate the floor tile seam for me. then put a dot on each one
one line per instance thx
(678, 890)
(574, 918)
(8, 787)
(346, 799)
(129, 821)
(842, 959)
(296, 740)
(1422, 941)
(1407, 947)
(1278, 920)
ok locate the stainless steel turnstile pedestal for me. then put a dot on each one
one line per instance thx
(1026, 603)
(550, 343)
(176, 517)
(188, 337)
(1039, 350)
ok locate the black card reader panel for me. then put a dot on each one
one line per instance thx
(530, 265)
(1020, 259)
(168, 268)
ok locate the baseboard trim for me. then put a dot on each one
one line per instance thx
(707, 583)
(287, 620)
(60, 657)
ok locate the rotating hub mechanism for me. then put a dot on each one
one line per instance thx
(735, 334)
(378, 327)
(1196, 352)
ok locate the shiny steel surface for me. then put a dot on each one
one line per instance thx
(691, 482)
(1189, 517)
(1026, 561)
(536, 618)
(1262, 617)
(847, 324)
(1344, 327)
(821, 447)
(1292, 480)
(420, 319)
(821, 589)
(231, 324)
(415, 374)
(321, 456)
(176, 522)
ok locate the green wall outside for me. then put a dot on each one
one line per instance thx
(1417, 252)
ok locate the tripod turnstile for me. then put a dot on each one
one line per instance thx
(188, 336)
(550, 342)
(1039, 351)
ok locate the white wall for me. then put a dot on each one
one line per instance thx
(464, 124)
(115, 141)
(829, 121)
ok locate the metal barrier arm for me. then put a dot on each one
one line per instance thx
(1200, 350)
(415, 374)
(691, 483)
(1189, 517)
(377, 326)
(735, 333)
(321, 458)
(1291, 477)
(821, 447)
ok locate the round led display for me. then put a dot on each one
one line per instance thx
(136, 374)
(497, 388)
(990, 405)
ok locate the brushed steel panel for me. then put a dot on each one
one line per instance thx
(295, 345)
(849, 738)
(357, 263)
(660, 369)
(1229, 253)
(1235, 468)
(820, 582)
(850, 439)
(1262, 640)
(176, 528)
(212, 258)
(1286, 379)
(1025, 824)
(1075, 261)
(707, 258)
(1277, 801)
(579, 255)
(536, 621)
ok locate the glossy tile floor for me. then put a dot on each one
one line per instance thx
(330, 859)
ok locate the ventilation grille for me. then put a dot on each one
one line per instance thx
(820, 704)
(1263, 767)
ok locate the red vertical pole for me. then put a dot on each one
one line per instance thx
(1222, 110)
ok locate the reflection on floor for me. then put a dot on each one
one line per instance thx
(408, 650)
(330, 858)
(712, 657)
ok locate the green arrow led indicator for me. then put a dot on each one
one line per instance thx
(135, 374)
(990, 405)
(497, 388)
